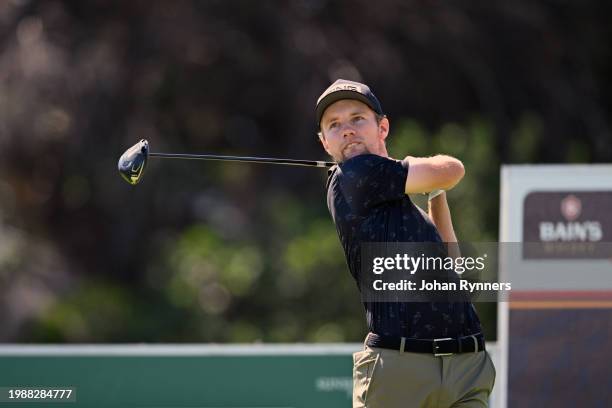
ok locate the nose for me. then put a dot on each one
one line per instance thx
(347, 130)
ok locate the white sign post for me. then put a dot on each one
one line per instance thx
(555, 237)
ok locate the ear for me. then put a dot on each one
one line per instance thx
(324, 142)
(383, 128)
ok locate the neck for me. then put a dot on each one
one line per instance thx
(382, 150)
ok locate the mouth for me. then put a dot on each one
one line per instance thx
(351, 146)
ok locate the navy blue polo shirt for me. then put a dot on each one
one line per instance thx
(367, 201)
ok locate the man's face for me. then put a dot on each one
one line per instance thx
(349, 128)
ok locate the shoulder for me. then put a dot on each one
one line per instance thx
(369, 164)
(367, 172)
(367, 160)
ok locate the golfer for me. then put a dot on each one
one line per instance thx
(416, 354)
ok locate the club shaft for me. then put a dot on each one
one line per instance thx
(271, 160)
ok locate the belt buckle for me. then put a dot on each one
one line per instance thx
(435, 347)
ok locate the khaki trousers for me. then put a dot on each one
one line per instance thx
(384, 378)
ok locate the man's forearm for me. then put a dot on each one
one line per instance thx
(439, 212)
(440, 215)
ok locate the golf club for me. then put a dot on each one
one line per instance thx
(133, 162)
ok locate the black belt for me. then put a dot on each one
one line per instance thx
(437, 347)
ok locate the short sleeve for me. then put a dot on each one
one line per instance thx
(369, 180)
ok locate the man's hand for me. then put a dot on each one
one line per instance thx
(439, 172)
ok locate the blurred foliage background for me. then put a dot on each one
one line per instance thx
(218, 252)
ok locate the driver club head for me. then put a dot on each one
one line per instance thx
(133, 162)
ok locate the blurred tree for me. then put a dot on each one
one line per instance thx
(231, 252)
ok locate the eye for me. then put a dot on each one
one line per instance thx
(332, 125)
(358, 118)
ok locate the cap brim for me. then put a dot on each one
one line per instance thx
(339, 95)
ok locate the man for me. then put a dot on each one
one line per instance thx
(417, 354)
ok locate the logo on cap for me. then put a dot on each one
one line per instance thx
(346, 87)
